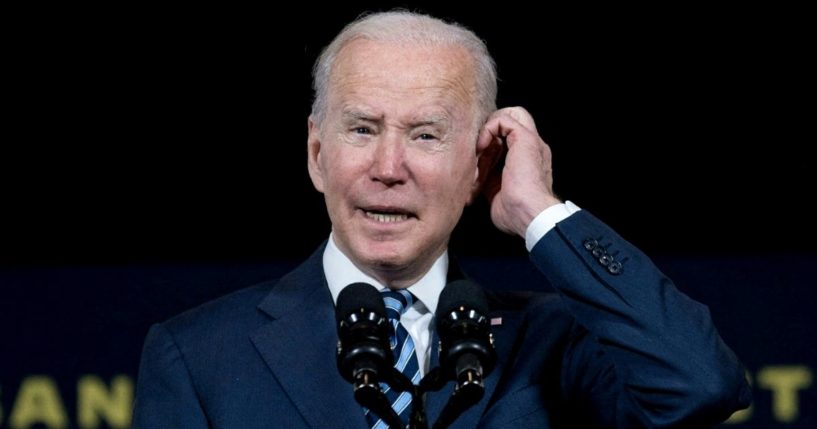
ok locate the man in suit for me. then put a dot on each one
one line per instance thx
(403, 134)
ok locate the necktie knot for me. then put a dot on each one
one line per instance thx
(397, 302)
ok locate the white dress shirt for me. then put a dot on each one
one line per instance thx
(341, 272)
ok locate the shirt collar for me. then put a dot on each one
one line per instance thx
(341, 272)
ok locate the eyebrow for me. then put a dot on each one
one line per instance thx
(436, 119)
(352, 115)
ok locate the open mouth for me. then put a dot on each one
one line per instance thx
(387, 214)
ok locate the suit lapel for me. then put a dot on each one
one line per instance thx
(298, 346)
(504, 337)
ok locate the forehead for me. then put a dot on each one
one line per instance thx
(372, 73)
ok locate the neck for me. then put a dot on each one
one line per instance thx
(398, 277)
(391, 274)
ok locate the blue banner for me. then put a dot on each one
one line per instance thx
(71, 336)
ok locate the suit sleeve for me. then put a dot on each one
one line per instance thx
(165, 396)
(650, 356)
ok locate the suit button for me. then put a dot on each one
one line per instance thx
(614, 268)
(605, 260)
(599, 252)
(590, 244)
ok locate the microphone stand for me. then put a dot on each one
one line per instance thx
(418, 419)
(400, 383)
(461, 399)
(468, 390)
(368, 394)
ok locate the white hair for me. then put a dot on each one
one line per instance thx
(409, 27)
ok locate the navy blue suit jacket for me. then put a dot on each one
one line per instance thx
(617, 346)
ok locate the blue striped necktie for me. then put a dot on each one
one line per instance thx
(397, 302)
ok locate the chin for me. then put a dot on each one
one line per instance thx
(385, 255)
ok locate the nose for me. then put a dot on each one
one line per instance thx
(389, 163)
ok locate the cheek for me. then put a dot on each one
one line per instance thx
(339, 168)
(463, 173)
(452, 186)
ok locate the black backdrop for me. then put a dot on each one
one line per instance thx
(180, 134)
(153, 159)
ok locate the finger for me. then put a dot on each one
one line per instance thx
(503, 127)
(489, 135)
(518, 114)
(522, 116)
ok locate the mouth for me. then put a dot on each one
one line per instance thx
(385, 214)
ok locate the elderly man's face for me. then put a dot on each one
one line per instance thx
(396, 154)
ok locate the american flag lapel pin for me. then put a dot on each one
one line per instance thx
(496, 321)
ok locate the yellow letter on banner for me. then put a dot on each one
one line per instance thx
(95, 400)
(38, 401)
(784, 381)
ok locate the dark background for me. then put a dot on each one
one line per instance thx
(179, 135)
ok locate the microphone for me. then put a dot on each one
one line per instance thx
(467, 353)
(364, 355)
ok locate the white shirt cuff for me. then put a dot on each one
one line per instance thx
(545, 221)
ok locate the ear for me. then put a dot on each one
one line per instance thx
(488, 154)
(313, 142)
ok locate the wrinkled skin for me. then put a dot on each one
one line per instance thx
(399, 154)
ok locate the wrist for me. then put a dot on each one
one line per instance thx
(533, 210)
(547, 220)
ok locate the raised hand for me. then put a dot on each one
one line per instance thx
(524, 188)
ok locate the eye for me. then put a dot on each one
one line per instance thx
(426, 136)
(362, 130)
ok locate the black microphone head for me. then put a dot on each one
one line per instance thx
(466, 346)
(363, 346)
(356, 296)
(461, 293)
